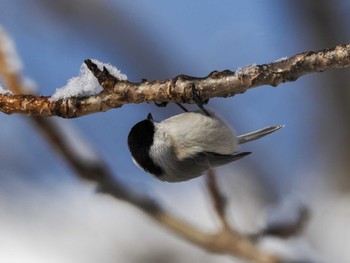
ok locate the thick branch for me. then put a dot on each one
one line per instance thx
(217, 84)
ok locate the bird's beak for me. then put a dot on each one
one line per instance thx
(149, 117)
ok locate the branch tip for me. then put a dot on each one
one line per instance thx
(89, 64)
(105, 71)
(105, 79)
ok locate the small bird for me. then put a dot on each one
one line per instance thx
(186, 145)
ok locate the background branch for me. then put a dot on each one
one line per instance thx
(217, 198)
(116, 93)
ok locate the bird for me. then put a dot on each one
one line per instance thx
(186, 145)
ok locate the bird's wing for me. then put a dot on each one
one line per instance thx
(197, 165)
(216, 159)
(257, 134)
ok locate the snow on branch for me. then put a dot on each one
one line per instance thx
(5, 91)
(85, 84)
(117, 91)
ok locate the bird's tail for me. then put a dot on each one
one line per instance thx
(258, 134)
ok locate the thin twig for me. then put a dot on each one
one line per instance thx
(227, 83)
(217, 198)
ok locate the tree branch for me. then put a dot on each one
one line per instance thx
(217, 198)
(227, 83)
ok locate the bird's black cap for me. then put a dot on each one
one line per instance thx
(140, 140)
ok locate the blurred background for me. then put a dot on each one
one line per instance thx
(48, 215)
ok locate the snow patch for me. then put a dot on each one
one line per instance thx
(86, 84)
(4, 91)
(246, 70)
(281, 59)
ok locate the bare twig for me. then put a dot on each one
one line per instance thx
(224, 242)
(217, 198)
(227, 83)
